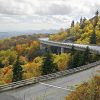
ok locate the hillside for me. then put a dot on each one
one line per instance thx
(83, 32)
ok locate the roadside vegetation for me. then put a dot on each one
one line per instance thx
(87, 91)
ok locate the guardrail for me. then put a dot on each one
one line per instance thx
(34, 80)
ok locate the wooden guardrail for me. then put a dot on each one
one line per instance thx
(34, 80)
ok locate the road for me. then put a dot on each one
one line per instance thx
(41, 92)
(46, 41)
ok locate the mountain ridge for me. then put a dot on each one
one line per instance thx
(9, 34)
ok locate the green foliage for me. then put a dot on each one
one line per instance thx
(48, 66)
(23, 39)
(1, 64)
(80, 58)
(86, 56)
(17, 71)
(72, 24)
(7, 57)
(75, 60)
(93, 38)
(33, 52)
(62, 60)
(72, 50)
(62, 34)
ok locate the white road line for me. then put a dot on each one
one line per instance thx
(56, 86)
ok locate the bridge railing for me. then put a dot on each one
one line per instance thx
(69, 45)
(34, 80)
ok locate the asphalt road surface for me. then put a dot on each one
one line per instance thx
(45, 92)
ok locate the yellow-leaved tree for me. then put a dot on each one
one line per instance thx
(32, 69)
(60, 36)
(62, 61)
(87, 91)
(6, 75)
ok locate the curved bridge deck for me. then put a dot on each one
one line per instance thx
(95, 49)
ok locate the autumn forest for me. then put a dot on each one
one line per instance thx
(21, 57)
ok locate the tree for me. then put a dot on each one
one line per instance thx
(62, 60)
(17, 71)
(96, 19)
(84, 19)
(72, 24)
(72, 50)
(82, 23)
(81, 20)
(86, 56)
(75, 60)
(48, 65)
(97, 13)
(93, 38)
(80, 58)
(6, 75)
(33, 52)
(32, 69)
(87, 91)
(1, 64)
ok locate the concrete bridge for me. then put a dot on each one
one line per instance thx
(44, 42)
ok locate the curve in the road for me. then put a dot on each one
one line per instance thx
(46, 41)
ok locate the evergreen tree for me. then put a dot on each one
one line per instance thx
(81, 20)
(93, 38)
(82, 23)
(86, 56)
(72, 50)
(48, 66)
(75, 60)
(97, 13)
(72, 24)
(84, 19)
(96, 19)
(1, 64)
(81, 59)
(17, 71)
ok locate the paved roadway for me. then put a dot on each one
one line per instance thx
(40, 92)
(48, 42)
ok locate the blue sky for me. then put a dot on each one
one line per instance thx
(18, 15)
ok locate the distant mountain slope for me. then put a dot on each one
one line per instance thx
(28, 32)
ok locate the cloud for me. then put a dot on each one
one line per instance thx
(15, 7)
(94, 7)
(55, 9)
(53, 12)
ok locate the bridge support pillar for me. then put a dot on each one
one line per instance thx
(58, 51)
(42, 46)
(62, 50)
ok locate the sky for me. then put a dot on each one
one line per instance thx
(19, 15)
